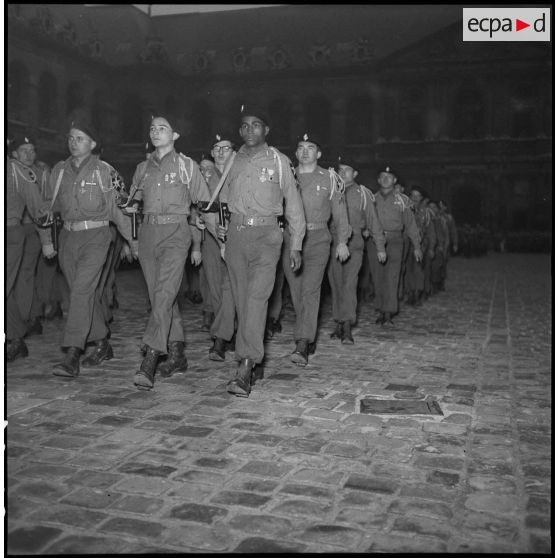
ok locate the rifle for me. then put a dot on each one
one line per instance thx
(216, 207)
(55, 227)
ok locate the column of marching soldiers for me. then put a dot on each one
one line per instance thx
(258, 224)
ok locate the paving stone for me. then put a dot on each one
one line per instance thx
(266, 469)
(138, 504)
(262, 525)
(199, 537)
(440, 462)
(540, 544)
(81, 544)
(92, 498)
(307, 490)
(260, 545)
(43, 491)
(533, 521)
(94, 479)
(433, 510)
(237, 498)
(133, 527)
(343, 450)
(146, 469)
(337, 535)
(114, 420)
(201, 476)
(422, 526)
(30, 540)
(391, 543)
(371, 484)
(197, 512)
(364, 518)
(191, 431)
(449, 480)
(261, 439)
(303, 508)
(254, 485)
(69, 516)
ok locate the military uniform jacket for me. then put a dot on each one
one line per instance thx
(426, 228)
(395, 215)
(42, 173)
(258, 183)
(362, 213)
(168, 186)
(87, 193)
(322, 200)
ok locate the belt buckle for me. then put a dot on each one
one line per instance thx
(250, 221)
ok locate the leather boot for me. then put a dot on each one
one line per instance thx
(146, 374)
(69, 368)
(217, 352)
(347, 336)
(311, 348)
(34, 327)
(337, 332)
(272, 327)
(300, 354)
(102, 351)
(388, 321)
(16, 348)
(240, 385)
(381, 318)
(207, 320)
(176, 361)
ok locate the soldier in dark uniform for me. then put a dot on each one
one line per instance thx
(83, 189)
(323, 198)
(23, 151)
(259, 181)
(343, 276)
(21, 193)
(168, 183)
(396, 219)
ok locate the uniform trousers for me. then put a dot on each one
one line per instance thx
(15, 240)
(223, 324)
(438, 273)
(251, 256)
(343, 279)
(163, 250)
(414, 272)
(404, 260)
(82, 256)
(25, 281)
(211, 274)
(386, 275)
(105, 289)
(305, 285)
(276, 299)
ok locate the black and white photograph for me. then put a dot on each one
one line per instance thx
(279, 278)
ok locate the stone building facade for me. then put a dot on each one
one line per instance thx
(470, 122)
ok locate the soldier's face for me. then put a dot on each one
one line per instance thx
(207, 168)
(79, 143)
(416, 197)
(348, 174)
(253, 131)
(307, 152)
(386, 180)
(25, 154)
(161, 133)
(222, 152)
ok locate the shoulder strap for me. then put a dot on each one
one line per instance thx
(56, 188)
(185, 177)
(277, 158)
(337, 183)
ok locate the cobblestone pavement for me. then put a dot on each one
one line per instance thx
(96, 466)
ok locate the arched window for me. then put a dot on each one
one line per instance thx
(413, 110)
(74, 97)
(359, 120)
(318, 117)
(524, 115)
(132, 120)
(468, 114)
(17, 90)
(280, 114)
(48, 93)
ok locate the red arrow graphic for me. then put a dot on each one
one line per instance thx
(519, 25)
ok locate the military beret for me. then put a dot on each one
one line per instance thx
(388, 170)
(222, 137)
(347, 160)
(87, 128)
(257, 111)
(312, 138)
(18, 140)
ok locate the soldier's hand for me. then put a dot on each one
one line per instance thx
(296, 260)
(382, 257)
(222, 250)
(134, 248)
(221, 233)
(131, 209)
(418, 254)
(366, 233)
(126, 253)
(342, 252)
(48, 251)
(200, 223)
(196, 257)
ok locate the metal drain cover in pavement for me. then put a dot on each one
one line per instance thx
(399, 407)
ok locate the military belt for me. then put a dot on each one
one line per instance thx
(13, 221)
(253, 221)
(316, 226)
(84, 225)
(152, 219)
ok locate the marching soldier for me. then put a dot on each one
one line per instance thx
(23, 151)
(84, 193)
(442, 243)
(323, 198)
(343, 275)
(21, 193)
(259, 181)
(396, 219)
(452, 245)
(168, 183)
